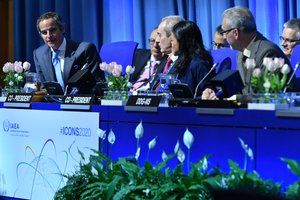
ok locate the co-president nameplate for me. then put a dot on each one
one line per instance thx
(142, 103)
(18, 100)
(77, 102)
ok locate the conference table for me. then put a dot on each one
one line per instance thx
(271, 134)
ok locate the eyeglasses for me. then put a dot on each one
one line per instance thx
(151, 40)
(219, 45)
(226, 31)
(287, 40)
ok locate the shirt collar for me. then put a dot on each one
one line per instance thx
(173, 58)
(152, 59)
(62, 47)
(246, 51)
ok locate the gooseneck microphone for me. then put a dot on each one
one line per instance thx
(203, 79)
(291, 77)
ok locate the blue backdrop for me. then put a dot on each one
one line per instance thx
(104, 21)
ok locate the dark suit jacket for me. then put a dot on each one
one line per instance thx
(141, 57)
(76, 55)
(260, 48)
(195, 72)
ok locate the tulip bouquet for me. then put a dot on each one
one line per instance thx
(114, 78)
(271, 78)
(14, 74)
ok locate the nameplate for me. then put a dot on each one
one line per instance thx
(18, 100)
(77, 102)
(143, 103)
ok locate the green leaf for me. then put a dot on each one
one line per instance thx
(293, 165)
(121, 194)
(112, 186)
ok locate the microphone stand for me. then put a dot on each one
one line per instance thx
(291, 77)
(203, 79)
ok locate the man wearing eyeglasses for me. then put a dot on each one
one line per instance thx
(290, 36)
(147, 63)
(219, 42)
(239, 29)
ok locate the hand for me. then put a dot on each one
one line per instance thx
(209, 94)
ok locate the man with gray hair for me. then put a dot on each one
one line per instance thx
(290, 36)
(164, 40)
(239, 28)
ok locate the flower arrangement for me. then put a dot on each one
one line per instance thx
(271, 78)
(101, 178)
(14, 74)
(114, 78)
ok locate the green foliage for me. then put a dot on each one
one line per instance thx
(293, 191)
(239, 179)
(102, 178)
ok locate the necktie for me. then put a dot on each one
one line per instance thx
(56, 65)
(146, 76)
(167, 66)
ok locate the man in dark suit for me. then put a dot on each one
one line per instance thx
(239, 28)
(148, 64)
(72, 56)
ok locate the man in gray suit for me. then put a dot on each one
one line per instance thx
(72, 56)
(239, 29)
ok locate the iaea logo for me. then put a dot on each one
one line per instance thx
(8, 125)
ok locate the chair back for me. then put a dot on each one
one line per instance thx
(226, 57)
(295, 58)
(120, 52)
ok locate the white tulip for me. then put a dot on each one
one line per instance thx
(129, 69)
(188, 139)
(250, 63)
(137, 154)
(101, 133)
(267, 61)
(152, 143)
(180, 156)
(111, 137)
(176, 147)
(164, 156)
(285, 69)
(267, 84)
(26, 66)
(139, 131)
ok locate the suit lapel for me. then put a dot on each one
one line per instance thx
(158, 72)
(48, 69)
(69, 60)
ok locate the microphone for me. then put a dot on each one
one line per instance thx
(84, 66)
(291, 77)
(203, 79)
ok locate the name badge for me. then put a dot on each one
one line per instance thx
(143, 103)
(18, 100)
(77, 102)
